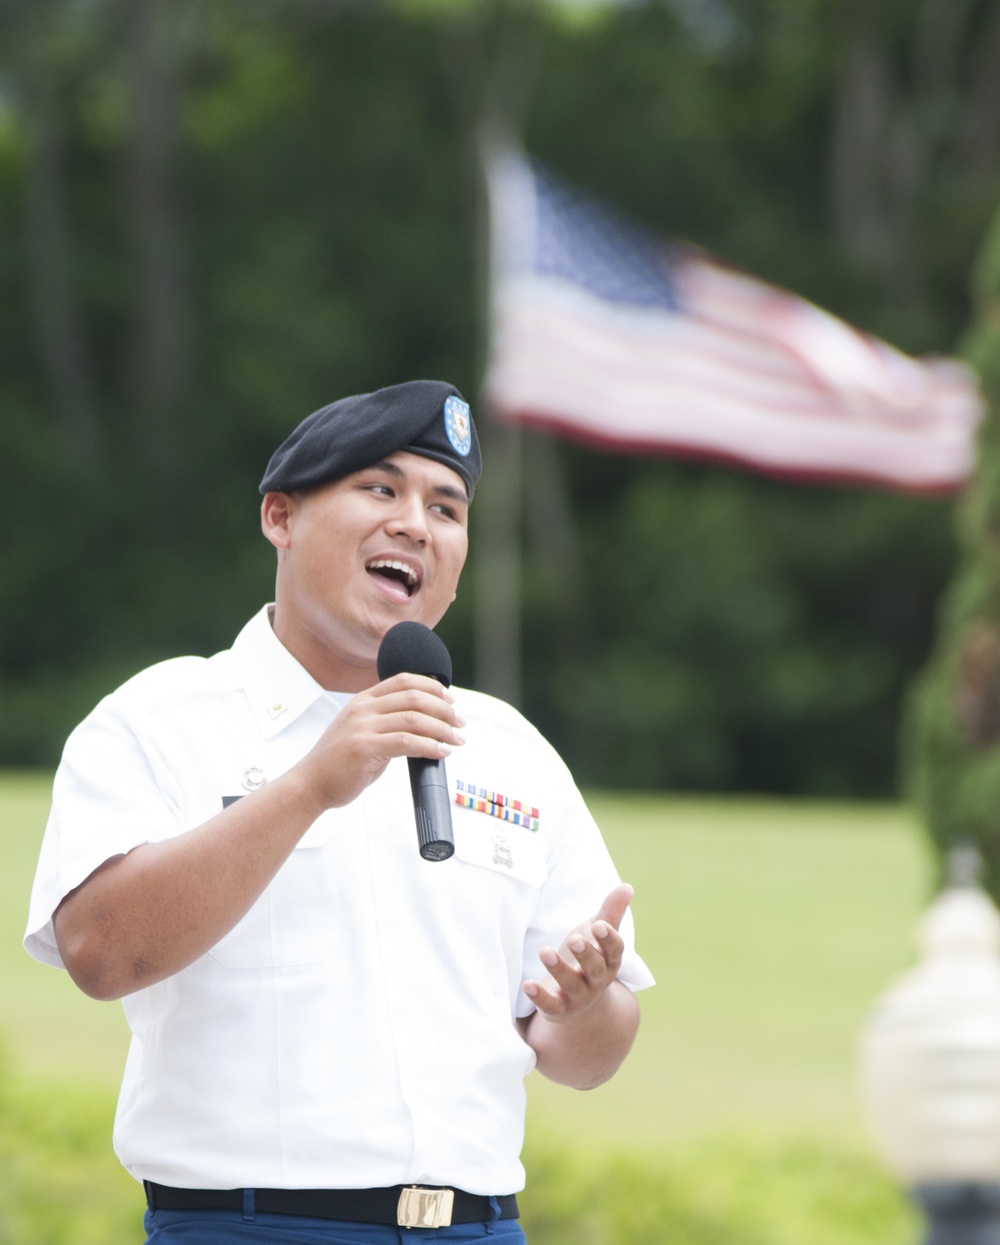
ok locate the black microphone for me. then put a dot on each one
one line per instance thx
(412, 647)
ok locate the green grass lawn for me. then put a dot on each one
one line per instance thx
(50, 1030)
(771, 926)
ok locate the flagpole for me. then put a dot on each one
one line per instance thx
(497, 583)
(496, 517)
(504, 89)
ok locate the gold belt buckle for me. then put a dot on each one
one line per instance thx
(425, 1208)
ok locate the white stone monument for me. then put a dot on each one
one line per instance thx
(930, 1064)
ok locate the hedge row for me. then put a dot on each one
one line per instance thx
(725, 1191)
(61, 1185)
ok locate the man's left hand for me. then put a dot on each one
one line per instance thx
(585, 965)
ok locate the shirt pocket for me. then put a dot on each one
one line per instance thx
(506, 850)
(293, 922)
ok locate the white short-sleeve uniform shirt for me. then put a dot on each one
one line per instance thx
(356, 1028)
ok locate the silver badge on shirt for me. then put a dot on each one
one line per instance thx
(253, 778)
(502, 854)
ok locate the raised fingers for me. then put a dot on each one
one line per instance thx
(611, 945)
(579, 973)
(595, 962)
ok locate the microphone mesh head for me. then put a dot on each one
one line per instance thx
(412, 647)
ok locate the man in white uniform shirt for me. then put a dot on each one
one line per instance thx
(330, 1034)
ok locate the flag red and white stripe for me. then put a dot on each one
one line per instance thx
(602, 333)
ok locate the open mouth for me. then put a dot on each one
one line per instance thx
(397, 573)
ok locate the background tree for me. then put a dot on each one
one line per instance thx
(956, 714)
(217, 216)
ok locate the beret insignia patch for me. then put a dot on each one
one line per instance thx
(458, 425)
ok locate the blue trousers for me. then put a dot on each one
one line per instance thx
(229, 1227)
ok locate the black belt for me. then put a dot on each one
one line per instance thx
(405, 1205)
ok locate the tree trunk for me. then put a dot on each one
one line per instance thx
(58, 322)
(160, 360)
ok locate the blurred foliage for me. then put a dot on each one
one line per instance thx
(773, 631)
(63, 1186)
(220, 216)
(954, 723)
(725, 1191)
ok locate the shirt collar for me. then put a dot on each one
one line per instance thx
(279, 689)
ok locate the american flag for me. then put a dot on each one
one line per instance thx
(603, 332)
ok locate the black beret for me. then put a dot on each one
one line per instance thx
(427, 417)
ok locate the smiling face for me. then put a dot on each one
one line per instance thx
(356, 556)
